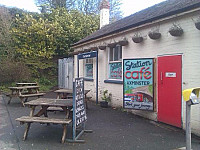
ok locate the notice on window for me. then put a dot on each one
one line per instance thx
(138, 83)
(89, 70)
(115, 70)
(80, 112)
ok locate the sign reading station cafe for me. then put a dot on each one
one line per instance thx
(138, 83)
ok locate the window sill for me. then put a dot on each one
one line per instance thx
(88, 79)
(113, 81)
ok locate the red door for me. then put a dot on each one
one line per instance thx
(169, 89)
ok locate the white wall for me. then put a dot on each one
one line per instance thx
(188, 44)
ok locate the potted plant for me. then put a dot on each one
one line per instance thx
(197, 23)
(123, 42)
(112, 44)
(106, 98)
(87, 50)
(154, 35)
(176, 30)
(94, 48)
(137, 38)
(102, 47)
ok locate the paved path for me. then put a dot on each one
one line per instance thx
(112, 130)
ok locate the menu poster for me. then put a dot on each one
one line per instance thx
(80, 112)
(138, 83)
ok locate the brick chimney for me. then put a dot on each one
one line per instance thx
(104, 13)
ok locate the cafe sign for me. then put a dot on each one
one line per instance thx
(138, 83)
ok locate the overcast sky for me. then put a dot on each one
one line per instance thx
(128, 7)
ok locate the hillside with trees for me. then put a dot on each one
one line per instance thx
(31, 43)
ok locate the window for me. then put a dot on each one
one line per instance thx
(115, 62)
(89, 68)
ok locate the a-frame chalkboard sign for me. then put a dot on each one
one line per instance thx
(79, 111)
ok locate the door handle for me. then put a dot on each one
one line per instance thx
(161, 77)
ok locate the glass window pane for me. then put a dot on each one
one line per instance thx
(116, 54)
(120, 53)
(89, 70)
(91, 60)
(111, 54)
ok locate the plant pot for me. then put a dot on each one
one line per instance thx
(87, 50)
(112, 44)
(197, 25)
(123, 42)
(137, 39)
(94, 48)
(104, 104)
(154, 35)
(103, 47)
(176, 31)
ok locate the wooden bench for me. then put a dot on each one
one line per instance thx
(29, 95)
(54, 109)
(29, 120)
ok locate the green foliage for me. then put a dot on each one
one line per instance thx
(39, 38)
(106, 96)
(45, 83)
(4, 86)
(47, 35)
(5, 37)
(11, 71)
(36, 41)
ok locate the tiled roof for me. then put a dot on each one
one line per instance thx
(158, 11)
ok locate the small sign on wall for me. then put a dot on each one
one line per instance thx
(170, 74)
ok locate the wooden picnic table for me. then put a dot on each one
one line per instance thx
(68, 93)
(26, 84)
(65, 104)
(24, 92)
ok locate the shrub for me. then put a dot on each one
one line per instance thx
(12, 71)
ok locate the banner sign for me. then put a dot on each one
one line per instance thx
(138, 83)
(115, 70)
(79, 109)
(87, 55)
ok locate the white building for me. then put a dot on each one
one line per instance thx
(173, 61)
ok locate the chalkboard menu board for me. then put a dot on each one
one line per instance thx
(79, 111)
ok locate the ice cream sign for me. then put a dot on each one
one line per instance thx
(138, 83)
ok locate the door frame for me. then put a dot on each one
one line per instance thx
(182, 71)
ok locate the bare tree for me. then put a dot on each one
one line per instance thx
(85, 6)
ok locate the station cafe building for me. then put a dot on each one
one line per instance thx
(145, 60)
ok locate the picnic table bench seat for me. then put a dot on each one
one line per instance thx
(28, 119)
(54, 109)
(42, 120)
(31, 95)
(26, 96)
(24, 92)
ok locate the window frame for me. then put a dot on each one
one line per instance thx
(114, 61)
(90, 62)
